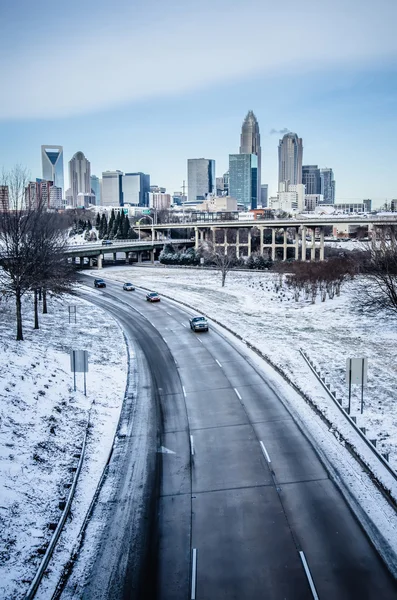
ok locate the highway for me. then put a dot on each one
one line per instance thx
(246, 510)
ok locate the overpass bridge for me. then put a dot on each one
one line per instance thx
(297, 234)
(96, 251)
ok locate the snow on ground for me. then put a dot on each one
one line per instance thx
(329, 332)
(42, 425)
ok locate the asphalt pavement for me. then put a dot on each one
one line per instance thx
(246, 510)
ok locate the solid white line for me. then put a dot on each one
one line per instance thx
(216, 360)
(238, 395)
(194, 574)
(308, 575)
(265, 452)
(184, 391)
(165, 341)
(191, 445)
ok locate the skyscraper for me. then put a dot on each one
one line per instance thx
(135, 189)
(290, 152)
(311, 179)
(250, 143)
(111, 188)
(79, 176)
(52, 163)
(243, 179)
(264, 194)
(327, 185)
(96, 189)
(200, 178)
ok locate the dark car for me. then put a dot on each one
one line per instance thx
(99, 283)
(106, 243)
(198, 324)
(128, 287)
(152, 297)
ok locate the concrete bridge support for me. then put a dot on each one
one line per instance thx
(99, 261)
(304, 242)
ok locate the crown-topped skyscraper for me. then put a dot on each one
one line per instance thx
(250, 143)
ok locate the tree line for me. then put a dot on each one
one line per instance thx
(32, 249)
(117, 227)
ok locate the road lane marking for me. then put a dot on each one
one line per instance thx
(194, 574)
(216, 360)
(165, 341)
(238, 395)
(308, 575)
(184, 391)
(183, 324)
(191, 445)
(201, 341)
(265, 452)
(168, 313)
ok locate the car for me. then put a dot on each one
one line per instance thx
(198, 323)
(128, 287)
(99, 283)
(107, 243)
(152, 297)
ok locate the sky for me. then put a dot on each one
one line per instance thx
(143, 85)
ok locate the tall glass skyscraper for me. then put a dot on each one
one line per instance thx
(95, 183)
(111, 188)
(200, 178)
(250, 143)
(52, 164)
(290, 153)
(243, 179)
(311, 179)
(135, 189)
(79, 176)
(328, 185)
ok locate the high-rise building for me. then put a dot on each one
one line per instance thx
(37, 194)
(200, 178)
(79, 176)
(159, 200)
(243, 179)
(4, 198)
(156, 189)
(95, 184)
(52, 164)
(111, 188)
(250, 143)
(219, 186)
(135, 189)
(311, 179)
(264, 194)
(56, 197)
(327, 185)
(290, 152)
(226, 183)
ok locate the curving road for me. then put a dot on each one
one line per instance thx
(246, 509)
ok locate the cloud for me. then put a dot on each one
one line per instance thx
(104, 66)
(279, 131)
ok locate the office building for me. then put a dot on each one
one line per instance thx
(4, 198)
(264, 194)
(52, 165)
(327, 185)
(95, 184)
(226, 183)
(37, 194)
(111, 188)
(79, 176)
(243, 179)
(312, 201)
(219, 186)
(311, 179)
(200, 178)
(159, 200)
(155, 189)
(290, 153)
(250, 143)
(135, 189)
(393, 204)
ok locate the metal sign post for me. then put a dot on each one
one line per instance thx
(79, 364)
(356, 374)
(72, 311)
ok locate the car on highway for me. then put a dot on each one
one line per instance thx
(152, 297)
(128, 287)
(198, 323)
(99, 283)
(107, 243)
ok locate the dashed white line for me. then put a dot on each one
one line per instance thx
(168, 313)
(201, 341)
(238, 395)
(165, 341)
(183, 324)
(308, 575)
(265, 452)
(191, 445)
(194, 574)
(184, 391)
(216, 360)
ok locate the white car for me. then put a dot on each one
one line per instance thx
(128, 287)
(198, 324)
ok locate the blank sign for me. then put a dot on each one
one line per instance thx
(79, 361)
(356, 371)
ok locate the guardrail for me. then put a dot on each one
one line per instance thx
(51, 546)
(378, 455)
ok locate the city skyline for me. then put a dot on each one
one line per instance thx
(333, 95)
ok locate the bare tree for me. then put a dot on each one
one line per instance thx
(217, 257)
(379, 269)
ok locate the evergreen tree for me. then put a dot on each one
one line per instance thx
(89, 225)
(111, 220)
(125, 227)
(98, 220)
